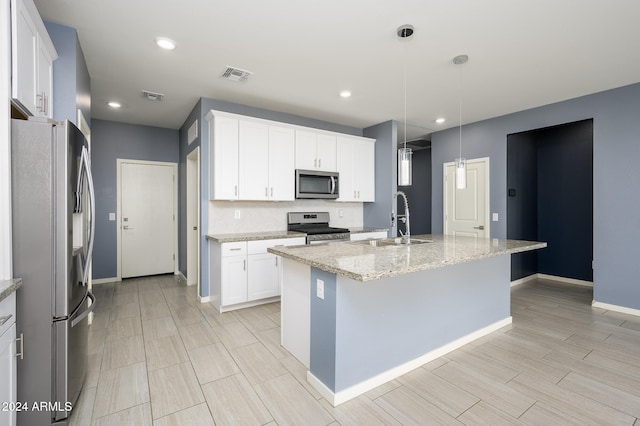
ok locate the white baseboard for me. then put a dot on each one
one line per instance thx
(337, 398)
(180, 275)
(524, 280)
(205, 299)
(551, 278)
(105, 280)
(565, 280)
(616, 308)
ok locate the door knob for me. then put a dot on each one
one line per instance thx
(481, 227)
(195, 228)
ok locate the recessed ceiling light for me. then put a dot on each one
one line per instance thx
(113, 104)
(165, 43)
(440, 120)
(345, 94)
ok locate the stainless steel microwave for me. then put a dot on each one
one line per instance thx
(316, 184)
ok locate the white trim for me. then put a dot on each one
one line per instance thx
(119, 162)
(531, 277)
(616, 308)
(564, 280)
(249, 304)
(5, 143)
(487, 161)
(205, 299)
(105, 280)
(180, 275)
(195, 153)
(337, 398)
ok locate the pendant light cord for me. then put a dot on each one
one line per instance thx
(460, 105)
(405, 96)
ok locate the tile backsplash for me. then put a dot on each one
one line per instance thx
(264, 216)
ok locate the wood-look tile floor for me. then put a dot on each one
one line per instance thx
(159, 357)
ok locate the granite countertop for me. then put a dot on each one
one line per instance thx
(360, 230)
(9, 286)
(362, 262)
(254, 236)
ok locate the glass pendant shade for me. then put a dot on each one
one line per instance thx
(461, 173)
(404, 166)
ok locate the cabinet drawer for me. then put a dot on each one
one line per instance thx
(234, 249)
(7, 309)
(261, 246)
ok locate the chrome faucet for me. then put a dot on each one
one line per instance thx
(406, 238)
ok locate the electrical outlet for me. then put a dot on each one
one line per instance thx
(236, 214)
(112, 217)
(340, 213)
(320, 289)
(495, 217)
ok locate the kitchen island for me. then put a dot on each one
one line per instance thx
(358, 314)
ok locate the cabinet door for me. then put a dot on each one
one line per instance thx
(8, 370)
(44, 98)
(263, 276)
(365, 174)
(234, 280)
(281, 164)
(224, 134)
(306, 150)
(345, 163)
(326, 152)
(253, 159)
(24, 40)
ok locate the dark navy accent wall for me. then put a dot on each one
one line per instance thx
(551, 171)
(377, 215)
(419, 193)
(616, 153)
(71, 80)
(111, 140)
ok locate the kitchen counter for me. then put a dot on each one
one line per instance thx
(362, 262)
(361, 230)
(419, 302)
(7, 287)
(254, 236)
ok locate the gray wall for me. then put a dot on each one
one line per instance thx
(377, 215)
(419, 194)
(111, 141)
(200, 111)
(615, 177)
(71, 80)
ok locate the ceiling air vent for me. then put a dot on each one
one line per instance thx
(152, 96)
(236, 74)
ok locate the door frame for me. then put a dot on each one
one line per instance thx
(487, 162)
(193, 202)
(119, 163)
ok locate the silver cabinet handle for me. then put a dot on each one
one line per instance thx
(5, 319)
(244, 265)
(315, 162)
(358, 194)
(235, 249)
(481, 227)
(21, 353)
(319, 162)
(272, 191)
(235, 190)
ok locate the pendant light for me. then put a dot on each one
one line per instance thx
(405, 171)
(460, 162)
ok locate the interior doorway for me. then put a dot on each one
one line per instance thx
(193, 218)
(147, 205)
(550, 198)
(466, 211)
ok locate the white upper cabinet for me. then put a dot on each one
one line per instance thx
(254, 165)
(32, 56)
(315, 151)
(356, 166)
(281, 163)
(223, 134)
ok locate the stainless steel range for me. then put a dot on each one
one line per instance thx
(316, 226)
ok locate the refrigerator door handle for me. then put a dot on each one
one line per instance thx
(86, 163)
(83, 315)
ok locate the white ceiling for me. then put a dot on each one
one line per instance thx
(522, 54)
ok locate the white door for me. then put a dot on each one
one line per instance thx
(262, 279)
(193, 218)
(147, 219)
(234, 280)
(466, 210)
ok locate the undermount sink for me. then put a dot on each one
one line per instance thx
(391, 242)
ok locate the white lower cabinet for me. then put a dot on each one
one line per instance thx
(8, 361)
(243, 273)
(368, 235)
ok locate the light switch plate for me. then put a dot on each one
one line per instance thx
(320, 289)
(112, 217)
(495, 217)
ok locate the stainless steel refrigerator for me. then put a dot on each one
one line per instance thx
(53, 207)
